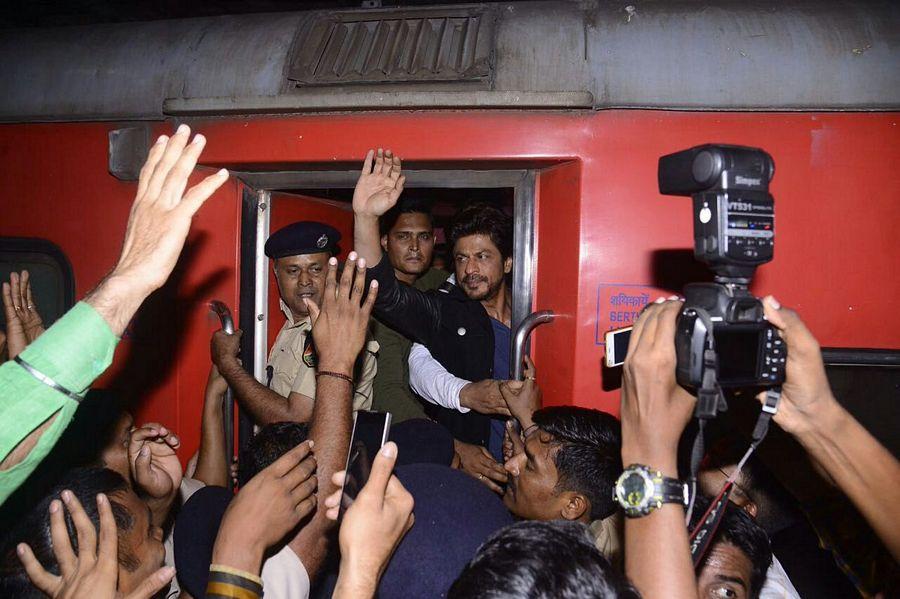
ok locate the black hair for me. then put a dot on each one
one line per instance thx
(483, 219)
(541, 560)
(270, 443)
(589, 459)
(406, 205)
(34, 528)
(737, 528)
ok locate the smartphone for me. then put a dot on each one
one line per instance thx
(370, 432)
(617, 346)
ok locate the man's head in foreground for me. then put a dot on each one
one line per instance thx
(571, 461)
(300, 253)
(735, 565)
(541, 560)
(140, 546)
(481, 241)
(270, 443)
(407, 237)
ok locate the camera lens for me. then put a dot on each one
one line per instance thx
(706, 167)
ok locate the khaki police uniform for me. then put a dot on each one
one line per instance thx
(292, 374)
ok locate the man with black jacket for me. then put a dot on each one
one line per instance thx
(464, 326)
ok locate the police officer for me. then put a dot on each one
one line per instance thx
(300, 254)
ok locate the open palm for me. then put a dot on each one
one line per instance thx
(379, 185)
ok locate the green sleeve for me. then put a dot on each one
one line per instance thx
(73, 352)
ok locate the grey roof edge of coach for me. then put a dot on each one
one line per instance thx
(682, 55)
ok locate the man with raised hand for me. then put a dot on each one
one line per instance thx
(465, 329)
(41, 388)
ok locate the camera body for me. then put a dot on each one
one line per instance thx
(734, 232)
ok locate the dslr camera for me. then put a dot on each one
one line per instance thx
(721, 326)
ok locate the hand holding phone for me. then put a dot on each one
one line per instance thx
(617, 346)
(370, 433)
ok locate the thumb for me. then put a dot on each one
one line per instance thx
(382, 468)
(313, 310)
(153, 584)
(515, 438)
(788, 322)
(142, 464)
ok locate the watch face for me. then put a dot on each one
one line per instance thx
(633, 490)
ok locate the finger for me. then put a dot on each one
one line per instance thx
(515, 438)
(490, 466)
(156, 152)
(379, 161)
(24, 285)
(491, 485)
(665, 329)
(304, 490)
(171, 154)
(530, 370)
(84, 528)
(197, 195)
(29, 299)
(792, 328)
(144, 433)
(396, 167)
(347, 276)
(369, 304)
(8, 302)
(367, 163)
(59, 536)
(302, 472)
(338, 477)
(109, 538)
(313, 310)
(43, 580)
(359, 282)
(16, 290)
(637, 329)
(142, 464)
(334, 500)
(382, 468)
(306, 507)
(153, 584)
(645, 334)
(400, 183)
(330, 281)
(289, 460)
(176, 181)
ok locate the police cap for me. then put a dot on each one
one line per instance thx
(304, 237)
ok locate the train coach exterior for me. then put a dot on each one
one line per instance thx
(577, 99)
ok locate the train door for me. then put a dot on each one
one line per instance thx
(274, 200)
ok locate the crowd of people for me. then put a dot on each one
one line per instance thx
(481, 491)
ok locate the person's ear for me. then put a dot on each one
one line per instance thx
(384, 243)
(751, 508)
(575, 507)
(507, 265)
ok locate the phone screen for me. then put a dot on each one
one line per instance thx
(370, 432)
(617, 346)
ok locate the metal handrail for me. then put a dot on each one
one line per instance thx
(528, 324)
(227, 321)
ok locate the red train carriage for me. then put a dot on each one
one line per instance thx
(558, 110)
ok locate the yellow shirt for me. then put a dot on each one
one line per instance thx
(290, 374)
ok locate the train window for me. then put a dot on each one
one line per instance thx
(52, 279)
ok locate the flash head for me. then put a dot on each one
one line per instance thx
(713, 167)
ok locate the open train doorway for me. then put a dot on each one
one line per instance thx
(275, 199)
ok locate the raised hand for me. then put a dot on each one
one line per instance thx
(339, 326)
(655, 409)
(523, 398)
(477, 462)
(23, 321)
(372, 527)
(93, 572)
(379, 184)
(806, 389)
(155, 467)
(157, 227)
(267, 509)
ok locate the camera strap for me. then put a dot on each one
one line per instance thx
(701, 536)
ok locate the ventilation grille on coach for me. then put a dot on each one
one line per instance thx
(407, 45)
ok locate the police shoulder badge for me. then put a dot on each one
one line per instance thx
(309, 353)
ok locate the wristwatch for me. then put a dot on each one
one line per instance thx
(640, 490)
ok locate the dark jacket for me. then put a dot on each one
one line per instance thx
(456, 330)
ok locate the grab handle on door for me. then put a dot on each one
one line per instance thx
(523, 332)
(227, 321)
